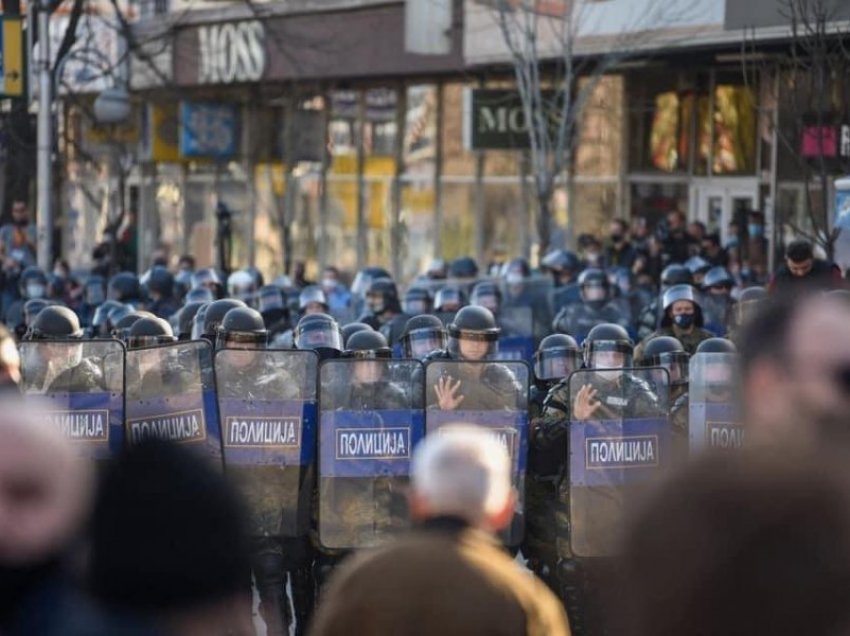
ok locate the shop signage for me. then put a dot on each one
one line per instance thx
(231, 52)
(209, 130)
(495, 119)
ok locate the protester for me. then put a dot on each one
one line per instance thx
(802, 270)
(449, 576)
(752, 544)
(169, 543)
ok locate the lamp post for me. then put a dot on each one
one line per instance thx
(44, 143)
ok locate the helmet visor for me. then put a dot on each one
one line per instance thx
(676, 363)
(141, 342)
(609, 354)
(555, 364)
(417, 306)
(241, 340)
(473, 345)
(419, 343)
(319, 336)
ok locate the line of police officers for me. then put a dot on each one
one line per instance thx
(320, 449)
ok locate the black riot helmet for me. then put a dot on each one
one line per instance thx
(449, 298)
(676, 274)
(199, 295)
(215, 313)
(352, 328)
(463, 267)
(382, 296)
(198, 322)
(160, 281)
(312, 299)
(594, 286)
(486, 294)
(33, 283)
(320, 333)
(561, 262)
(364, 279)
(474, 325)
(556, 357)
(667, 352)
(748, 302)
(270, 298)
(608, 346)
(698, 266)
(100, 322)
(123, 324)
(149, 332)
(208, 278)
(718, 277)
(242, 328)
(185, 319)
(677, 293)
(367, 344)
(423, 334)
(94, 291)
(716, 345)
(54, 323)
(417, 300)
(124, 287)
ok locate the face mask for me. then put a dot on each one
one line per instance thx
(610, 375)
(35, 291)
(592, 258)
(22, 222)
(594, 294)
(329, 283)
(755, 230)
(514, 278)
(683, 321)
(616, 238)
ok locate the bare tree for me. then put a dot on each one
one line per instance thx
(556, 78)
(805, 81)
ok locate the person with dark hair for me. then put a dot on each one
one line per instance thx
(749, 544)
(802, 269)
(619, 252)
(169, 542)
(713, 251)
(795, 366)
(676, 244)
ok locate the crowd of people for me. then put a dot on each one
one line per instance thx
(642, 352)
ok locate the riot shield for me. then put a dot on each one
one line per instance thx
(267, 406)
(370, 418)
(620, 445)
(534, 292)
(516, 340)
(495, 396)
(171, 395)
(81, 386)
(713, 403)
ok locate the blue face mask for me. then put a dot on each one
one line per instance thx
(755, 229)
(683, 321)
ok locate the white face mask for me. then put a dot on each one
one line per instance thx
(609, 374)
(594, 293)
(329, 283)
(35, 291)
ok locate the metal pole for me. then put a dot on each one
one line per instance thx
(44, 209)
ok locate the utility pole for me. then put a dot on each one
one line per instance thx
(44, 145)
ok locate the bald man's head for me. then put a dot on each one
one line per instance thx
(44, 488)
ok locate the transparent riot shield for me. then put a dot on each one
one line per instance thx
(534, 292)
(171, 395)
(267, 405)
(80, 385)
(516, 340)
(620, 445)
(714, 403)
(495, 396)
(370, 418)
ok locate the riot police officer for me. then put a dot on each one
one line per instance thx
(32, 284)
(244, 373)
(555, 359)
(185, 318)
(448, 301)
(668, 353)
(417, 300)
(60, 369)
(719, 304)
(683, 319)
(94, 295)
(273, 309)
(748, 302)
(319, 333)
(209, 279)
(312, 300)
(650, 318)
(242, 285)
(385, 314)
(101, 327)
(596, 307)
(214, 314)
(125, 288)
(149, 332)
(160, 291)
(565, 267)
(423, 335)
